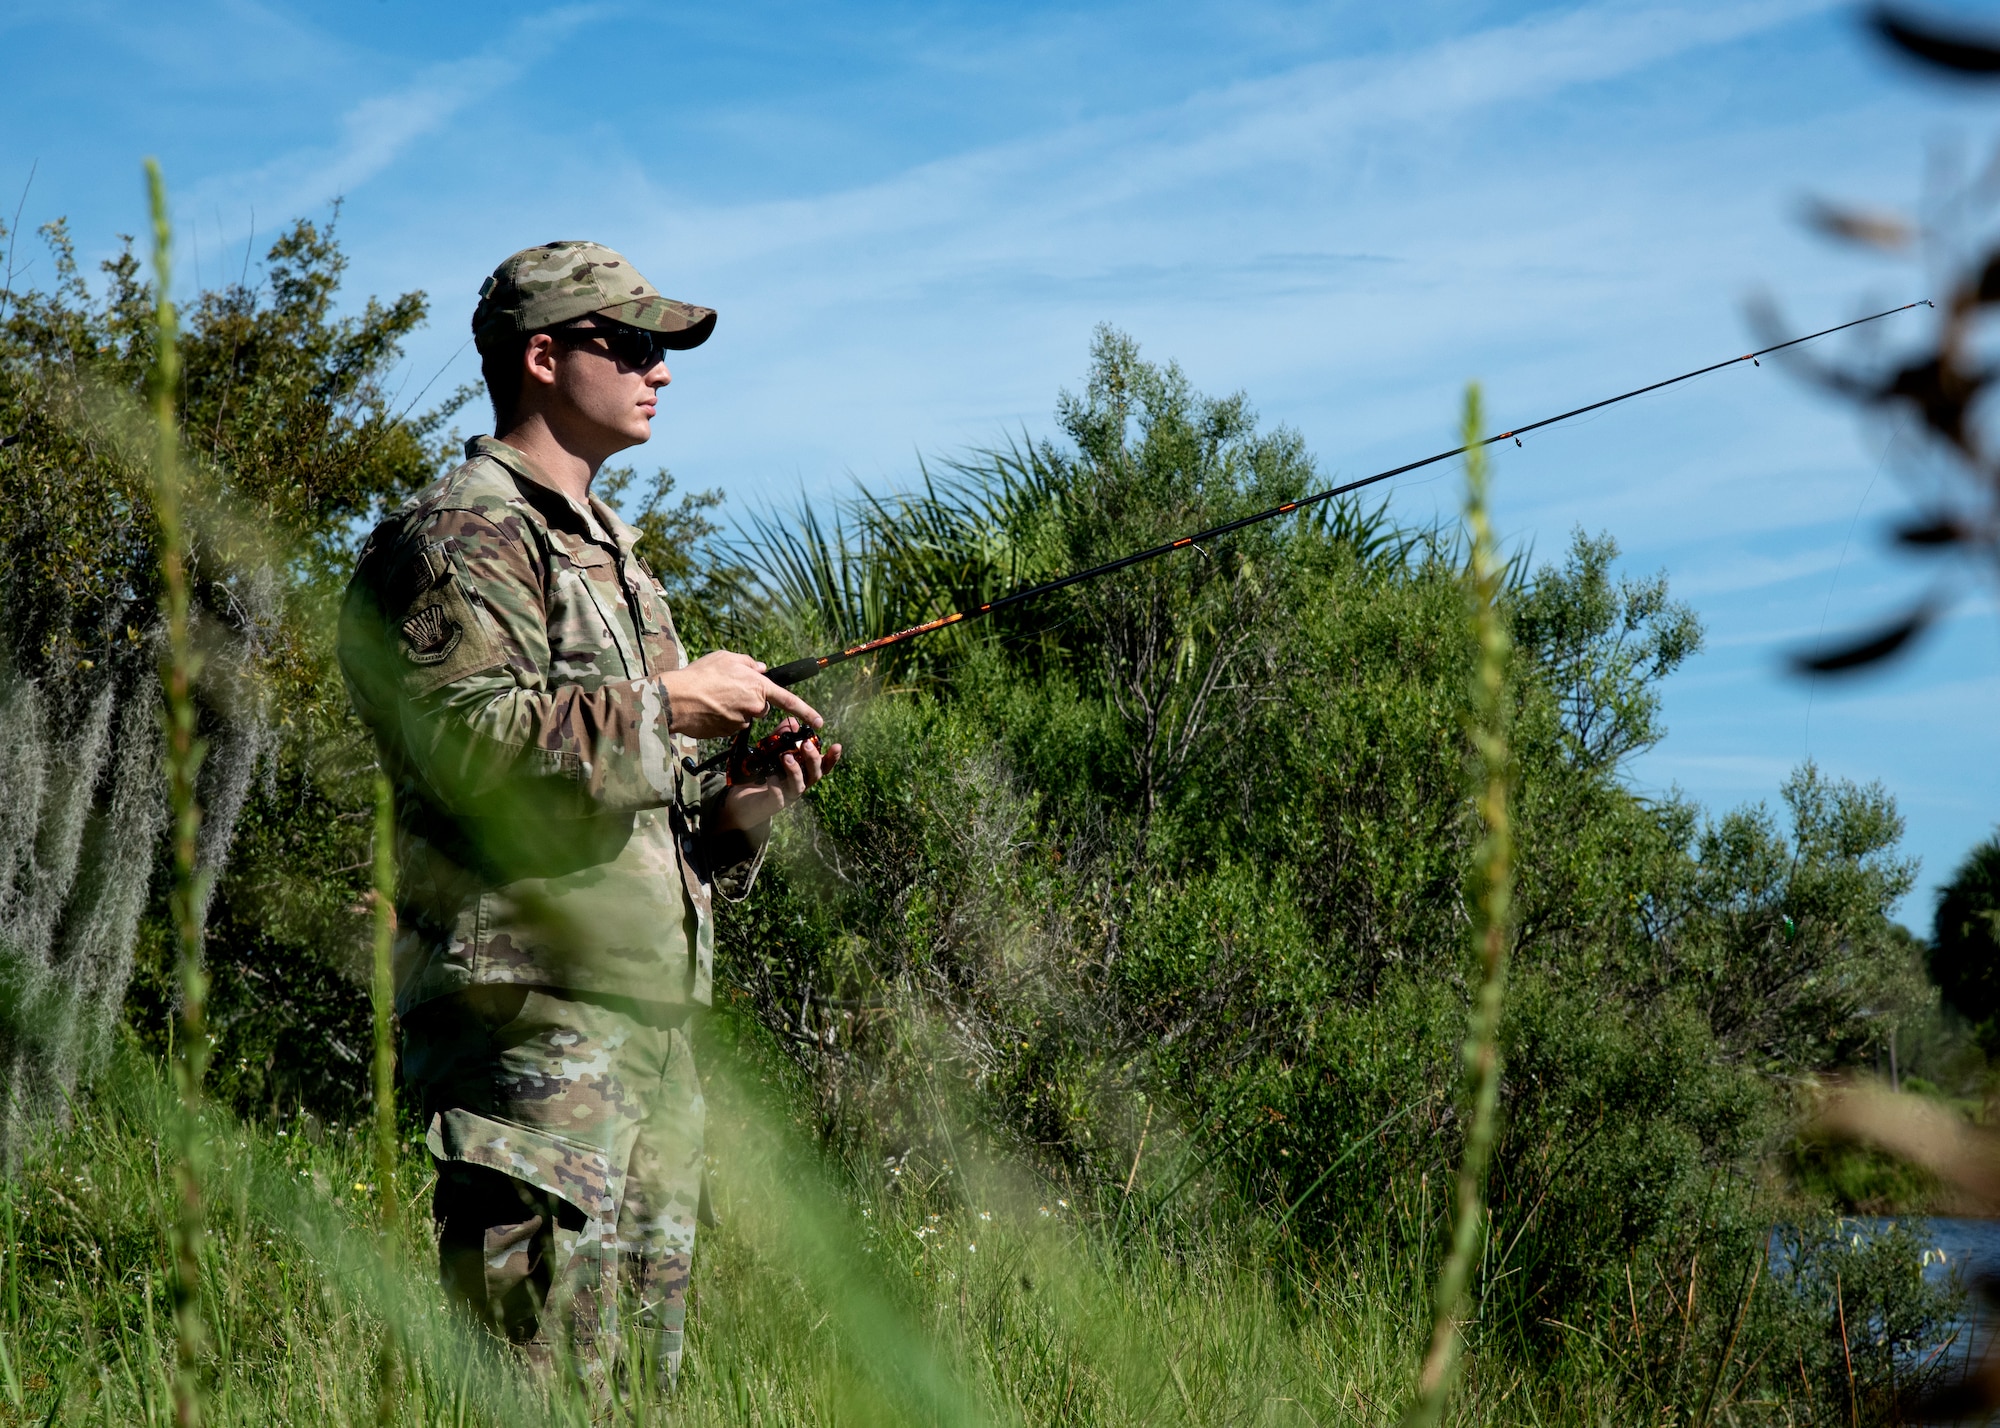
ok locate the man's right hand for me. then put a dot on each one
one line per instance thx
(724, 691)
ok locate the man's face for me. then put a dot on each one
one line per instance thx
(598, 400)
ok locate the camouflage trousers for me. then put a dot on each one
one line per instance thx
(568, 1135)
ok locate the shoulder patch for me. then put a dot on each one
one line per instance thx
(430, 635)
(443, 636)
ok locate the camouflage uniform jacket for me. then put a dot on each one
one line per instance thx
(503, 642)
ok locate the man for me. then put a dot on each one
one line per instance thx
(531, 701)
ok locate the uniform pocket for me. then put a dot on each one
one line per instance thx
(578, 1174)
(581, 552)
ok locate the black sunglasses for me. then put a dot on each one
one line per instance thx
(634, 346)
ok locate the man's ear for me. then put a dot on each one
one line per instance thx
(538, 361)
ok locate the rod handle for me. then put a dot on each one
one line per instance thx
(796, 672)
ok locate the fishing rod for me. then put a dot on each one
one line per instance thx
(800, 670)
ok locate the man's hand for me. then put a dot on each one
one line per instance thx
(748, 804)
(723, 691)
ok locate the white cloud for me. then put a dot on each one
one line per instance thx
(1005, 211)
(381, 128)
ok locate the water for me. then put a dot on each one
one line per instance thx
(1970, 1248)
(1965, 1250)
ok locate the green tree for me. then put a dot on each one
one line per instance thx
(1787, 944)
(293, 439)
(1604, 647)
(1964, 953)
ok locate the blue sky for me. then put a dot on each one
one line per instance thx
(911, 218)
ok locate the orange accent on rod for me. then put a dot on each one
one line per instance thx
(1184, 540)
(866, 645)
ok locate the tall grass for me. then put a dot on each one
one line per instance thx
(183, 762)
(382, 996)
(1493, 873)
(826, 1297)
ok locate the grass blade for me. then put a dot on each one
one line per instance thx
(184, 755)
(1494, 864)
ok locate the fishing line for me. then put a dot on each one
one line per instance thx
(802, 669)
(14, 237)
(432, 382)
(368, 445)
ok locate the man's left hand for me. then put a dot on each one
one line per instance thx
(749, 804)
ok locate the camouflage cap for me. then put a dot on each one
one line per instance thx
(560, 282)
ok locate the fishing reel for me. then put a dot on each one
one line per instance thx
(745, 762)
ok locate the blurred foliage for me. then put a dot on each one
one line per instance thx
(1964, 955)
(1862, 1180)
